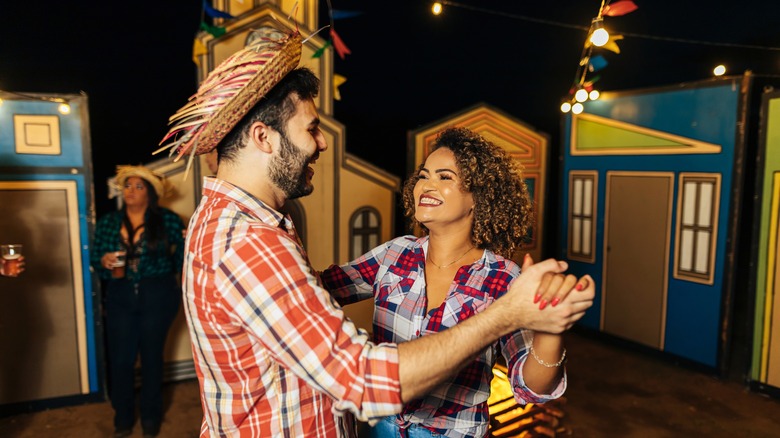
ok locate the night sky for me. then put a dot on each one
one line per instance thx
(408, 68)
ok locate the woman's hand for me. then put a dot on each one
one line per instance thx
(109, 259)
(554, 287)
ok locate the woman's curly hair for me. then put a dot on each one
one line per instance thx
(503, 210)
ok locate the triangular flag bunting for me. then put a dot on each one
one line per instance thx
(337, 81)
(596, 63)
(612, 43)
(339, 14)
(321, 50)
(198, 49)
(214, 13)
(617, 9)
(339, 45)
(213, 30)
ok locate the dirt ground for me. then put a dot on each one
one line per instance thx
(613, 392)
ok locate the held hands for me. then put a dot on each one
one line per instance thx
(555, 287)
(546, 279)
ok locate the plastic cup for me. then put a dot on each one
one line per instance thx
(118, 268)
(11, 254)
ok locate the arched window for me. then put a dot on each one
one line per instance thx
(364, 231)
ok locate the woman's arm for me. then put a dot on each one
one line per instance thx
(354, 281)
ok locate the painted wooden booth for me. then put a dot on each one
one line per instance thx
(652, 185)
(50, 334)
(765, 369)
(522, 142)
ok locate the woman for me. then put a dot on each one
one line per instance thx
(470, 200)
(142, 294)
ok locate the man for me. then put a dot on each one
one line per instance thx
(275, 356)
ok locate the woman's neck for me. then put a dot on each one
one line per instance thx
(443, 248)
(136, 215)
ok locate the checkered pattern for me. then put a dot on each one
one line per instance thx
(161, 260)
(393, 275)
(274, 354)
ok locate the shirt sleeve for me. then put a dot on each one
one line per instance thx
(105, 240)
(173, 228)
(354, 281)
(515, 348)
(269, 288)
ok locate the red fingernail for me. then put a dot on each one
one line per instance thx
(537, 297)
(543, 304)
(554, 301)
(579, 286)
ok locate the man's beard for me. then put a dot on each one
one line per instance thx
(288, 169)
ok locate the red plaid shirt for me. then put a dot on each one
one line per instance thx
(393, 275)
(275, 356)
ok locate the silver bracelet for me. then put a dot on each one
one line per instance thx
(547, 364)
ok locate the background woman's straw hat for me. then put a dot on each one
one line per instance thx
(157, 181)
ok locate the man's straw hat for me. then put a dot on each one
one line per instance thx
(231, 90)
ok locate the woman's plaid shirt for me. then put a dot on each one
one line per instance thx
(393, 275)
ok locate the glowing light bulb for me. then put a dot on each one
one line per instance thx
(581, 95)
(599, 37)
(594, 94)
(577, 108)
(436, 9)
(719, 70)
(64, 108)
(565, 107)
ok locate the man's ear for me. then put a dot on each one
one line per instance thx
(260, 136)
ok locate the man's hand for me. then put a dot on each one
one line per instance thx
(519, 305)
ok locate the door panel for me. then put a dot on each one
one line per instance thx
(636, 262)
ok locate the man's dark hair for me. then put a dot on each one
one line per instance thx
(275, 109)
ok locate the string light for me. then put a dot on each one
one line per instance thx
(565, 107)
(436, 9)
(581, 95)
(64, 108)
(719, 70)
(599, 36)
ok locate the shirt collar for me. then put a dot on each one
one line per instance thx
(216, 188)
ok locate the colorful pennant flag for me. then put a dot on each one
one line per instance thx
(321, 50)
(596, 63)
(338, 44)
(337, 81)
(612, 43)
(216, 31)
(198, 49)
(214, 13)
(339, 14)
(619, 8)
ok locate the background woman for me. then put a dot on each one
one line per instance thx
(470, 200)
(142, 294)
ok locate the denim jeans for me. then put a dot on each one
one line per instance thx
(387, 428)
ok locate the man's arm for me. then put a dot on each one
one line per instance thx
(459, 345)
